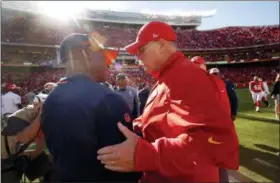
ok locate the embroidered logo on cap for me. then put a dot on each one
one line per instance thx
(155, 35)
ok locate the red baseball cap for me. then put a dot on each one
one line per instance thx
(151, 31)
(12, 87)
(197, 60)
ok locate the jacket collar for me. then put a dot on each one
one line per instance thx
(78, 76)
(175, 56)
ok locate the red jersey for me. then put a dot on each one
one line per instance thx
(256, 86)
(188, 135)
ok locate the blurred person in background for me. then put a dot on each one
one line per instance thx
(230, 90)
(275, 94)
(10, 101)
(22, 150)
(81, 115)
(128, 93)
(29, 97)
(256, 88)
(48, 87)
(214, 73)
(3, 88)
(143, 96)
(199, 62)
(108, 85)
(265, 92)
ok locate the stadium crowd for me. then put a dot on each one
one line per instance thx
(32, 30)
(262, 53)
(34, 58)
(39, 30)
(35, 81)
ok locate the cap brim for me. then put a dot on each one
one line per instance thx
(198, 62)
(110, 56)
(14, 88)
(133, 48)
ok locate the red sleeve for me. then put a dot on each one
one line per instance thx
(207, 137)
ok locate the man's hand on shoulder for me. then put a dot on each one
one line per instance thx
(120, 157)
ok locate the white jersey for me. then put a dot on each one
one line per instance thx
(9, 102)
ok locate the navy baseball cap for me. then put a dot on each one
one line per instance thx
(77, 40)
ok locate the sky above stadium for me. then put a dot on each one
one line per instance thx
(227, 13)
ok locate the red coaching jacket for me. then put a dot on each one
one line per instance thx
(187, 133)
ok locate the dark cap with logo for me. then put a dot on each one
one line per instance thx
(77, 40)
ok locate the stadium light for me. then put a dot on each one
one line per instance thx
(65, 10)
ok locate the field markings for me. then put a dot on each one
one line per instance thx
(265, 163)
(236, 176)
(246, 102)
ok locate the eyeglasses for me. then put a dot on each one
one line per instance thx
(142, 49)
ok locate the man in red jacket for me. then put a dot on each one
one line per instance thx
(219, 83)
(187, 135)
(224, 99)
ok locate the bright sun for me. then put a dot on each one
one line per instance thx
(61, 10)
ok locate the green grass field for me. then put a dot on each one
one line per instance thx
(259, 139)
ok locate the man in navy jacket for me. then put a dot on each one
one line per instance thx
(143, 96)
(80, 116)
(233, 100)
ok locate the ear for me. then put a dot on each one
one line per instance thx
(87, 58)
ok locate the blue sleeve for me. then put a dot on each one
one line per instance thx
(110, 111)
(135, 108)
(232, 98)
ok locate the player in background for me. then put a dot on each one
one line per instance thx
(199, 62)
(226, 87)
(275, 94)
(256, 88)
(265, 92)
(230, 91)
